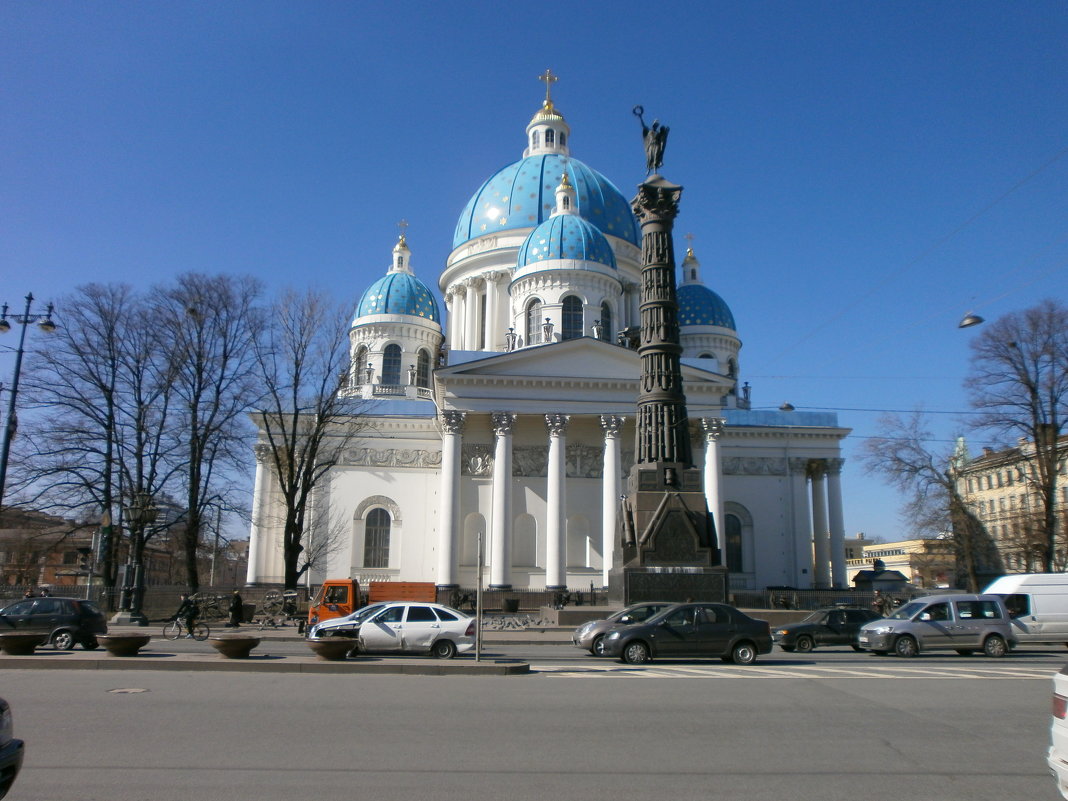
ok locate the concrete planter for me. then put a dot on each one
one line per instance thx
(332, 649)
(124, 644)
(21, 644)
(236, 646)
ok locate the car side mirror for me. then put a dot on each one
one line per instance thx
(626, 619)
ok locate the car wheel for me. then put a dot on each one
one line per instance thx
(62, 640)
(995, 646)
(90, 644)
(856, 648)
(964, 651)
(745, 653)
(805, 644)
(636, 653)
(906, 647)
(443, 649)
(597, 649)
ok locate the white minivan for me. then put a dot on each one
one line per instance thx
(1037, 604)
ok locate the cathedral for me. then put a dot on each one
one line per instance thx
(509, 420)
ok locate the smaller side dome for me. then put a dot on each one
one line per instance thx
(699, 305)
(399, 293)
(566, 236)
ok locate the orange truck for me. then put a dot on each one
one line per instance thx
(340, 597)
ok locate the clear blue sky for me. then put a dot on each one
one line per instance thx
(858, 175)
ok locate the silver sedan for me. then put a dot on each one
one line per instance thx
(590, 636)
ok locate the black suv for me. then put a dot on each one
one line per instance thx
(835, 626)
(66, 621)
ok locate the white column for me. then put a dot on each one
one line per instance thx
(259, 514)
(556, 503)
(501, 532)
(456, 317)
(820, 536)
(611, 489)
(471, 286)
(801, 526)
(837, 522)
(494, 333)
(452, 426)
(713, 427)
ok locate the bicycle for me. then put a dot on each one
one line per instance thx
(175, 630)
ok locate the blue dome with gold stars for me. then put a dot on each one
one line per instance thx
(521, 195)
(699, 305)
(399, 293)
(566, 236)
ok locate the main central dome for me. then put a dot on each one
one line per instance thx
(520, 196)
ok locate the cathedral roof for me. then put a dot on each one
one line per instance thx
(520, 195)
(699, 305)
(566, 236)
(399, 293)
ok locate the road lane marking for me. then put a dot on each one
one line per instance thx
(904, 672)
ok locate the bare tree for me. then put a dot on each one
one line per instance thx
(304, 421)
(210, 324)
(902, 456)
(1019, 381)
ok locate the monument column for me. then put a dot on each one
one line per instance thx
(713, 428)
(501, 533)
(611, 485)
(820, 535)
(452, 426)
(801, 526)
(259, 499)
(556, 504)
(836, 521)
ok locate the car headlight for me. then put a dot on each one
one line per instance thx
(584, 629)
(782, 632)
(7, 726)
(881, 630)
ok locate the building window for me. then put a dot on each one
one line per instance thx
(734, 543)
(534, 322)
(391, 365)
(360, 365)
(606, 321)
(572, 311)
(565, 203)
(422, 370)
(376, 539)
(535, 139)
(563, 139)
(549, 137)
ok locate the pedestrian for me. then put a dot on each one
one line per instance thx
(237, 609)
(188, 611)
(45, 593)
(879, 604)
(29, 594)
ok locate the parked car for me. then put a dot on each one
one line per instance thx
(1057, 759)
(403, 627)
(590, 636)
(1037, 604)
(11, 750)
(66, 621)
(832, 626)
(961, 623)
(695, 629)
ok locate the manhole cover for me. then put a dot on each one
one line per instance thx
(122, 690)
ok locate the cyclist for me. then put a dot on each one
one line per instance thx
(188, 612)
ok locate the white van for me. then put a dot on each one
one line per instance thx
(1037, 604)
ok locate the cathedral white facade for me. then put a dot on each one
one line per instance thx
(511, 421)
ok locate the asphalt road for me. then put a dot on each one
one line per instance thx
(833, 725)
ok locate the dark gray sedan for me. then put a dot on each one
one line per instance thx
(687, 630)
(590, 636)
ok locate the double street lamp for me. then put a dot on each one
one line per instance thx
(140, 513)
(23, 320)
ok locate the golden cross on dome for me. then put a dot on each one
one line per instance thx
(549, 79)
(403, 224)
(689, 239)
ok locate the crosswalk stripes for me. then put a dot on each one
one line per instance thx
(904, 673)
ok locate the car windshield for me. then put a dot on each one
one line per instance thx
(363, 614)
(814, 617)
(907, 611)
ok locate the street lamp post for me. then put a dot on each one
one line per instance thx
(141, 513)
(23, 320)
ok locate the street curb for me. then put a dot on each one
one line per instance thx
(264, 664)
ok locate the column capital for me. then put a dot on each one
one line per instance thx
(817, 468)
(556, 424)
(612, 424)
(262, 452)
(503, 423)
(798, 466)
(833, 466)
(492, 276)
(473, 282)
(713, 427)
(452, 422)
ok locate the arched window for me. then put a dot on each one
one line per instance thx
(359, 365)
(563, 139)
(534, 322)
(572, 325)
(376, 539)
(734, 543)
(422, 376)
(606, 321)
(565, 203)
(391, 365)
(535, 139)
(549, 137)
